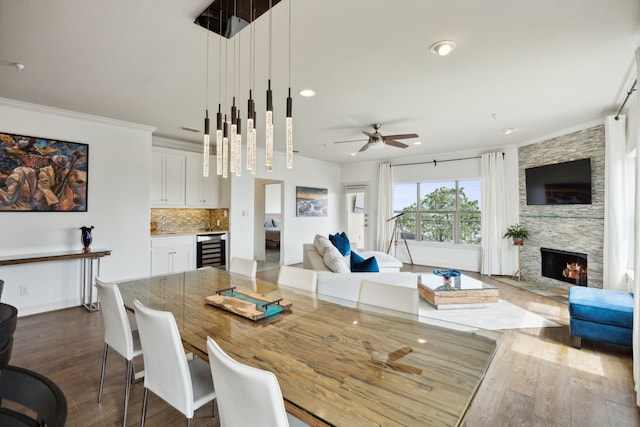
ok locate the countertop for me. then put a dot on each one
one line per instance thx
(178, 233)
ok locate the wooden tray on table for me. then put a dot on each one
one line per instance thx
(248, 304)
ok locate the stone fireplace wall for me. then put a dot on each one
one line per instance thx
(575, 228)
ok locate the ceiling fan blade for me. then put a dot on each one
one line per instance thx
(395, 143)
(401, 136)
(370, 135)
(351, 140)
(364, 147)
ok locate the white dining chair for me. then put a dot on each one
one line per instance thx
(393, 297)
(299, 278)
(244, 267)
(184, 384)
(118, 335)
(247, 396)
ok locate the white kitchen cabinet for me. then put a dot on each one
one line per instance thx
(201, 191)
(172, 254)
(167, 178)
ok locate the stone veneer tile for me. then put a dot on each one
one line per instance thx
(181, 219)
(575, 228)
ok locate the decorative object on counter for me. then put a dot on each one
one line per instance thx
(86, 238)
(58, 169)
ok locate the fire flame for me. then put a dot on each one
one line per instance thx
(575, 271)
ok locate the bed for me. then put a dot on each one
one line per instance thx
(272, 224)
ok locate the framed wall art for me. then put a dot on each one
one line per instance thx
(311, 201)
(42, 175)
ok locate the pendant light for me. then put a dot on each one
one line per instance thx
(233, 134)
(289, 119)
(205, 151)
(269, 113)
(225, 148)
(219, 114)
(251, 107)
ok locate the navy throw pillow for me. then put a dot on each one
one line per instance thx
(355, 259)
(369, 265)
(343, 245)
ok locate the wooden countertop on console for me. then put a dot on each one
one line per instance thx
(52, 256)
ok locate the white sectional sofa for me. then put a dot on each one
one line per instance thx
(346, 285)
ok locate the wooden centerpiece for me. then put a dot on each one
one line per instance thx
(248, 304)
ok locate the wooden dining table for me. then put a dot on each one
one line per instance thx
(338, 363)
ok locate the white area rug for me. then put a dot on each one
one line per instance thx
(501, 315)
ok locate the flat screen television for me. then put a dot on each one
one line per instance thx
(567, 183)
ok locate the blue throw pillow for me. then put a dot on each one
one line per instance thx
(355, 259)
(343, 244)
(369, 265)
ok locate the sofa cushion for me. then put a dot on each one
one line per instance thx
(334, 260)
(321, 244)
(369, 265)
(341, 242)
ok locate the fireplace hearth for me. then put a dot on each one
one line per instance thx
(570, 267)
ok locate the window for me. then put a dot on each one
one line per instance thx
(446, 211)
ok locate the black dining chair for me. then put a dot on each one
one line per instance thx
(36, 394)
(8, 322)
(1, 288)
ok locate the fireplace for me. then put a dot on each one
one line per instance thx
(570, 267)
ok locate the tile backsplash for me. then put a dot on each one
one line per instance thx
(180, 219)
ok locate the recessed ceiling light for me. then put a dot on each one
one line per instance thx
(307, 93)
(508, 131)
(417, 143)
(443, 47)
(352, 154)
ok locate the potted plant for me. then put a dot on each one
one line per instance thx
(517, 233)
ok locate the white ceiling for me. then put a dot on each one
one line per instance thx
(540, 66)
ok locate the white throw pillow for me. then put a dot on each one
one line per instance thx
(334, 260)
(321, 244)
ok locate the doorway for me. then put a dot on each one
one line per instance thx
(269, 225)
(356, 215)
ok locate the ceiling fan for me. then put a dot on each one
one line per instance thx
(377, 140)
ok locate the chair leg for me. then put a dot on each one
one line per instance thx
(104, 365)
(576, 342)
(188, 422)
(144, 406)
(127, 390)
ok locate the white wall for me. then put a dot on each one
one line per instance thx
(445, 255)
(118, 207)
(272, 198)
(295, 230)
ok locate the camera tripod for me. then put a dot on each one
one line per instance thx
(398, 230)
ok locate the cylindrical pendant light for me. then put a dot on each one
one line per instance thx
(269, 130)
(225, 148)
(219, 140)
(289, 118)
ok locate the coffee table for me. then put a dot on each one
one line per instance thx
(447, 293)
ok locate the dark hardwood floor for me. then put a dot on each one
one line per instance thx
(536, 378)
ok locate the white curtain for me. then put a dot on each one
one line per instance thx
(495, 249)
(616, 231)
(385, 205)
(636, 261)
